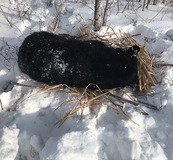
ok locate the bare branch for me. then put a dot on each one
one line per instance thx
(96, 15)
(105, 13)
(6, 17)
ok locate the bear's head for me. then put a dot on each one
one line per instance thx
(133, 51)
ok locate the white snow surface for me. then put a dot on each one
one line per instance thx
(27, 130)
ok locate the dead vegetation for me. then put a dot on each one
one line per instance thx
(7, 54)
(110, 98)
(95, 100)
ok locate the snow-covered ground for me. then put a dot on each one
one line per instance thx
(27, 130)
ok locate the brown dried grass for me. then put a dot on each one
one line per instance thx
(82, 98)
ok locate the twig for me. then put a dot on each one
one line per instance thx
(96, 15)
(123, 112)
(143, 5)
(18, 84)
(124, 100)
(59, 12)
(1, 104)
(157, 14)
(136, 103)
(5, 16)
(151, 106)
(13, 108)
(164, 64)
(105, 13)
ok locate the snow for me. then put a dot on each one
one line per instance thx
(9, 142)
(27, 130)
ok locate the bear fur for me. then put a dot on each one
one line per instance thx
(63, 59)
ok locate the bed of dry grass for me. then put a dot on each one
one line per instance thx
(84, 97)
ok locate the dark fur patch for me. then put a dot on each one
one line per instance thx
(62, 59)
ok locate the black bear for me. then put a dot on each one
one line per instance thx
(63, 59)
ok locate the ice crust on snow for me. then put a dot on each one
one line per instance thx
(28, 131)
